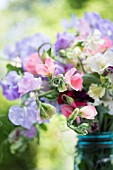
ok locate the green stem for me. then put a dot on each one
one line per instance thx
(47, 43)
(38, 102)
(45, 93)
(82, 65)
(58, 59)
(105, 124)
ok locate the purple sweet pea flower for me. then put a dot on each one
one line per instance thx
(9, 87)
(70, 24)
(59, 68)
(93, 19)
(63, 41)
(24, 116)
(30, 45)
(106, 28)
(10, 52)
(29, 133)
(68, 67)
(108, 70)
(80, 28)
(27, 46)
(96, 22)
(29, 83)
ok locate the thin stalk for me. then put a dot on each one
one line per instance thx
(81, 65)
(45, 93)
(105, 124)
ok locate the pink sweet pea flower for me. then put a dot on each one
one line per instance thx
(88, 112)
(46, 69)
(32, 62)
(66, 110)
(74, 80)
(106, 45)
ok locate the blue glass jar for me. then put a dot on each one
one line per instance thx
(94, 152)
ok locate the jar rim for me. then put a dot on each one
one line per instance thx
(99, 135)
(104, 139)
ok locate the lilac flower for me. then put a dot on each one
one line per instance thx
(63, 41)
(9, 87)
(81, 25)
(10, 52)
(30, 133)
(93, 19)
(59, 68)
(106, 28)
(30, 45)
(68, 67)
(29, 83)
(27, 46)
(70, 24)
(103, 25)
(24, 116)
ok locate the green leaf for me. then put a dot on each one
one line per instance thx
(10, 67)
(49, 51)
(43, 127)
(88, 79)
(102, 109)
(52, 96)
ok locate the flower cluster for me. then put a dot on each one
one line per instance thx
(72, 77)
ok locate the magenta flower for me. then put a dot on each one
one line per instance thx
(29, 83)
(66, 110)
(46, 69)
(74, 80)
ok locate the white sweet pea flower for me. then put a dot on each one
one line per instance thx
(74, 53)
(99, 61)
(108, 59)
(93, 40)
(94, 63)
(77, 51)
(96, 92)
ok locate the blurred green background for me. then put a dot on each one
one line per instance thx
(21, 18)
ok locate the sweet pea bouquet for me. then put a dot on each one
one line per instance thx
(73, 77)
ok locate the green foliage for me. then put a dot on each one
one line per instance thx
(43, 127)
(77, 3)
(10, 67)
(81, 128)
(88, 79)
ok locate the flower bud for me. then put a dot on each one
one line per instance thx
(69, 100)
(59, 82)
(47, 111)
